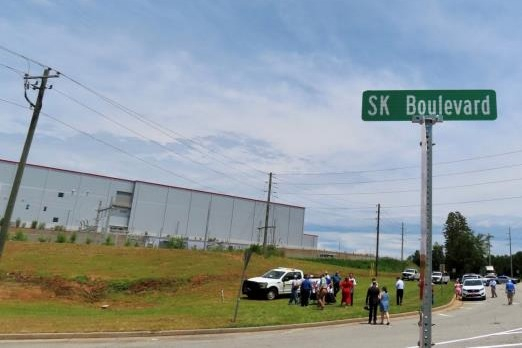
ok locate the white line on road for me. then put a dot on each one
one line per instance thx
(509, 332)
(514, 331)
(501, 345)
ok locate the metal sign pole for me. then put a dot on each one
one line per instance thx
(426, 229)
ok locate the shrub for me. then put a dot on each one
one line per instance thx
(82, 279)
(60, 238)
(42, 239)
(128, 242)
(34, 224)
(176, 243)
(18, 222)
(59, 228)
(24, 225)
(41, 226)
(256, 248)
(72, 238)
(108, 241)
(20, 236)
(271, 250)
(119, 285)
(88, 241)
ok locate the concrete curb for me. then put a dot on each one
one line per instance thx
(454, 304)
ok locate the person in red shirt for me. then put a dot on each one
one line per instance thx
(346, 292)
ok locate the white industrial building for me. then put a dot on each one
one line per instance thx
(82, 201)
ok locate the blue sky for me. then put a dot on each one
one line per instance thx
(214, 95)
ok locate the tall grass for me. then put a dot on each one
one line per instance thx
(165, 289)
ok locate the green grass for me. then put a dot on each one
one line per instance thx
(166, 289)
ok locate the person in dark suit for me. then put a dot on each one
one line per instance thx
(372, 301)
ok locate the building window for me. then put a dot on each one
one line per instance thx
(45, 209)
(60, 194)
(55, 219)
(27, 207)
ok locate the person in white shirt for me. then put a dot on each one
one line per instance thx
(399, 286)
(296, 282)
(493, 287)
(351, 278)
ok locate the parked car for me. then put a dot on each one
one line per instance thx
(503, 279)
(489, 277)
(473, 288)
(440, 277)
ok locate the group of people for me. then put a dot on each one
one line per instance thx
(324, 290)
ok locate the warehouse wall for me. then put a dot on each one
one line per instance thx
(74, 199)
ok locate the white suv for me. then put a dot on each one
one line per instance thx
(473, 288)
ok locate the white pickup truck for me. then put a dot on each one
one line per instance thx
(277, 281)
(440, 277)
(410, 274)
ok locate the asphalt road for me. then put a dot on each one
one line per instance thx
(485, 324)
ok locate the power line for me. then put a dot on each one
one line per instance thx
(23, 57)
(147, 138)
(417, 205)
(161, 128)
(111, 145)
(406, 179)
(16, 71)
(398, 168)
(400, 191)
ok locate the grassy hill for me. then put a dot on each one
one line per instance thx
(52, 287)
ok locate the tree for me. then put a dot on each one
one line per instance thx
(437, 256)
(415, 258)
(465, 251)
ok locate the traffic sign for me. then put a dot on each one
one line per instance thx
(451, 105)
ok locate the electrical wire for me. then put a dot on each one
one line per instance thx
(161, 128)
(16, 71)
(400, 168)
(127, 153)
(418, 205)
(106, 117)
(401, 191)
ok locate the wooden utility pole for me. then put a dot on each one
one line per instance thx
(402, 241)
(37, 107)
(510, 254)
(488, 237)
(267, 214)
(377, 248)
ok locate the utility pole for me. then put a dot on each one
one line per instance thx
(489, 248)
(97, 220)
(510, 254)
(37, 107)
(267, 210)
(402, 241)
(377, 247)
(205, 242)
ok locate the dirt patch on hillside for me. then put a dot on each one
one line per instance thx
(23, 292)
(24, 286)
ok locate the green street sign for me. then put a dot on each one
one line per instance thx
(452, 105)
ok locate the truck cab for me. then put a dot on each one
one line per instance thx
(410, 274)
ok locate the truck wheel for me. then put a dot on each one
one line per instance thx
(271, 294)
